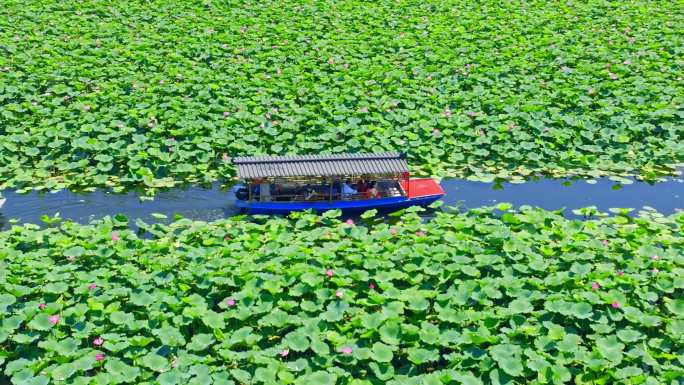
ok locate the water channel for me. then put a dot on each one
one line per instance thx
(213, 203)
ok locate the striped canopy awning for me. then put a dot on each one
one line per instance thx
(320, 165)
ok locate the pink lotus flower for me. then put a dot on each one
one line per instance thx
(363, 109)
(329, 273)
(393, 231)
(284, 352)
(161, 81)
(172, 139)
(225, 157)
(86, 107)
(620, 273)
(371, 286)
(331, 61)
(230, 302)
(42, 306)
(54, 319)
(654, 257)
(616, 305)
(92, 286)
(420, 233)
(226, 114)
(472, 114)
(435, 132)
(339, 294)
(605, 242)
(347, 350)
(98, 341)
(115, 236)
(655, 271)
(446, 112)
(350, 222)
(71, 258)
(595, 286)
(627, 62)
(99, 357)
(612, 76)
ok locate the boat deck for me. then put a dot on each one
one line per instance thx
(421, 187)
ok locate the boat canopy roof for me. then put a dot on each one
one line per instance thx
(320, 165)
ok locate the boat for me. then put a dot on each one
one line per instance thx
(2, 201)
(353, 183)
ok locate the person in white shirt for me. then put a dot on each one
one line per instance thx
(347, 190)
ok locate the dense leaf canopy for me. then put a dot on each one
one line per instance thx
(154, 93)
(528, 297)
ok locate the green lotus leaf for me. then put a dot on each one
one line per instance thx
(5, 301)
(610, 348)
(242, 376)
(41, 322)
(75, 251)
(56, 287)
(581, 310)
(67, 347)
(381, 352)
(122, 318)
(390, 333)
(297, 341)
(169, 378)
(200, 342)
(676, 329)
(318, 346)
(142, 299)
(120, 369)
(519, 306)
(214, 320)
(63, 372)
(155, 362)
(629, 335)
(335, 311)
(676, 307)
(319, 377)
(420, 356)
(383, 371)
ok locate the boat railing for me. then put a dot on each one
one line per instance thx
(321, 197)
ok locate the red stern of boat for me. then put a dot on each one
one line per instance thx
(422, 187)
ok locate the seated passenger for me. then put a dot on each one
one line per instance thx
(373, 190)
(347, 190)
(336, 189)
(361, 186)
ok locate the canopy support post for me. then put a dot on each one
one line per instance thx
(332, 181)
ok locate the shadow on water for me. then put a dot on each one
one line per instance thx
(213, 203)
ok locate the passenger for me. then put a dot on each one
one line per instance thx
(373, 191)
(337, 189)
(361, 186)
(347, 190)
(310, 194)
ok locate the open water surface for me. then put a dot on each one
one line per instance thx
(213, 203)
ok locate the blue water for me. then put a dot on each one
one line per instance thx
(213, 203)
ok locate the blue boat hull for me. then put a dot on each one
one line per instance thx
(356, 206)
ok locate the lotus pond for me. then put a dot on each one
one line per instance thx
(124, 94)
(470, 298)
